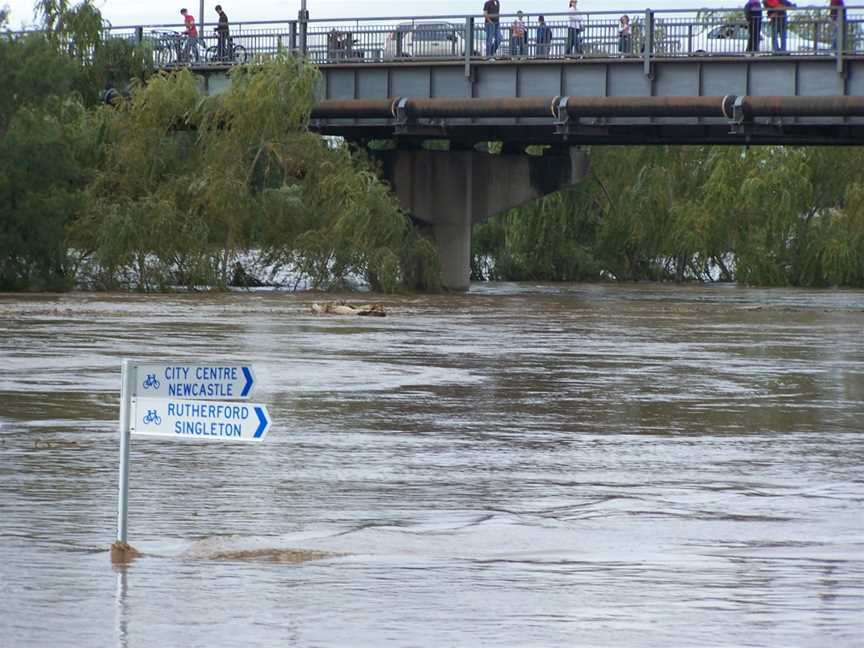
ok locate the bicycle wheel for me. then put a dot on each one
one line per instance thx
(212, 54)
(163, 57)
(239, 55)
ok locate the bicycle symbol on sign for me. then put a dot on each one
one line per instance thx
(152, 417)
(151, 382)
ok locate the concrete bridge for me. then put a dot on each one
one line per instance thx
(680, 78)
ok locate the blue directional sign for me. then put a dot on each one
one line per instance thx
(219, 382)
(205, 420)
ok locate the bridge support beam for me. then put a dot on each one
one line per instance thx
(452, 190)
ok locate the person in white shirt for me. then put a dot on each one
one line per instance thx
(517, 36)
(574, 32)
(624, 35)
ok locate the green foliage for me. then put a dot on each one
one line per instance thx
(75, 29)
(49, 141)
(33, 73)
(708, 18)
(767, 215)
(812, 25)
(47, 146)
(543, 241)
(116, 63)
(189, 185)
(167, 187)
(40, 182)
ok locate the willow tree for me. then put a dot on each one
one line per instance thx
(842, 251)
(762, 215)
(191, 185)
(46, 151)
(74, 28)
(137, 215)
(791, 203)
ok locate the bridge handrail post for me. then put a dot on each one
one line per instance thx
(139, 34)
(841, 40)
(469, 44)
(292, 37)
(648, 42)
(303, 20)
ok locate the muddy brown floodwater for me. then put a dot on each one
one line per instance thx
(525, 465)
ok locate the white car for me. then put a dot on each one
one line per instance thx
(732, 39)
(416, 40)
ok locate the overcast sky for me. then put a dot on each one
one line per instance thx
(134, 12)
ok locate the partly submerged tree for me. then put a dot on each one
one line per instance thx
(764, 215)
(46, 144)
(49, 137)
(191, 184)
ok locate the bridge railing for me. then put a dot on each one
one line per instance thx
(801, 31)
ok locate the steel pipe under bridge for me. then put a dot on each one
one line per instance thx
(793, 81)
(730, 107)
(575, 120)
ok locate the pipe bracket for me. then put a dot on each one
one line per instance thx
(400, 113)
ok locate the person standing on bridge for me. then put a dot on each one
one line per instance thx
(776, 10)
(190, 44)
(753, 10)
(517, 36)
(544, 37)
(574, 32)
(492, 15)
(837, 8)
(625, 34)
(222, 33)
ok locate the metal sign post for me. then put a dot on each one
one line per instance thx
(205, 402)
(126, 390)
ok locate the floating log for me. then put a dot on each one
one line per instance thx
(341, 308)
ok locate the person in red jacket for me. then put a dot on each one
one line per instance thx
(776, 11)
(190, 45)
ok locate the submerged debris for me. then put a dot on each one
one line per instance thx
(42, 444)
(122, 553)
(341, 308)
(237, 548)
(288, 556)
(241, 278)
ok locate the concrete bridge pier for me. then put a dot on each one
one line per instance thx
(452, 190)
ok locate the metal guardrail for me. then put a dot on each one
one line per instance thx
(653, 34)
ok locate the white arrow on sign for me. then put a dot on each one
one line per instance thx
(194, 381)
(200, 419)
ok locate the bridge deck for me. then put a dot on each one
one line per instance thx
(716, 76)
(669, 54)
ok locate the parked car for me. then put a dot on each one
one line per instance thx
(726, 39)
(731, 39)
(416, 40)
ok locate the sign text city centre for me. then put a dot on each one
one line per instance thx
(194, 381)
(205, 402)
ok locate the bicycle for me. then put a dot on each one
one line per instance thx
(164, 48)
(151, 382)
(152, 416)
(235, 54)
(173, 48)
